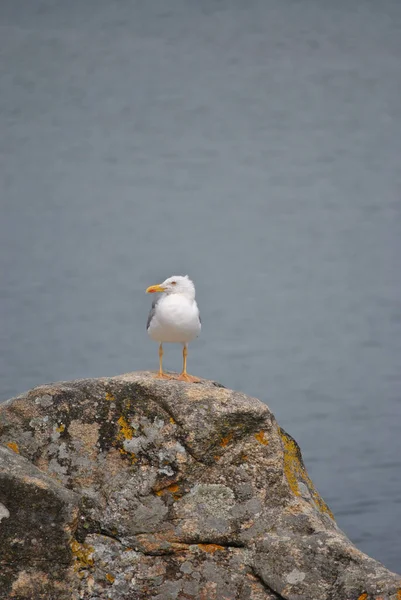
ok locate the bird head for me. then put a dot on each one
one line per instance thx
(177, 284)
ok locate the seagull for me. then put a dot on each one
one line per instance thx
(174, 317)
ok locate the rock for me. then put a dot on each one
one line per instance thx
(134, 488)
(38, 517)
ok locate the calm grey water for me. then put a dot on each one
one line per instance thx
(255, 145)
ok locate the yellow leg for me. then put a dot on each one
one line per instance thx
(161, 360)
(184, 359)
(184, 375)
(161, 375)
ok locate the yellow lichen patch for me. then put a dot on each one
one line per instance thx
(226, 440)
(363, 596)
(261, 438)
(13, 446)
(131, 455)
(60, 428)
(126, 431)
(294, 470)
(172, 421)
(110, 578)
(210, 548)
(82, 554)
(109, 397)
(291, 464)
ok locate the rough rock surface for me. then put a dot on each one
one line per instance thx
(134, 488)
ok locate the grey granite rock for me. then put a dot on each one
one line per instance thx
(134, 488)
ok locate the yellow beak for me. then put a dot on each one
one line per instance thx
(155, 288)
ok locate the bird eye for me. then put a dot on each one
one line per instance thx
(173, 283)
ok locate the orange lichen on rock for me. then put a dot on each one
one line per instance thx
(210, 548)
(294, 470)
(13, 446)
(226, 440)
(399, 594)
(260, 436)
(173, 489)
(363, 596)
(163, 542)
(110, 578)
(109, 397)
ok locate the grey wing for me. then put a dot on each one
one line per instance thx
(152, 312)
